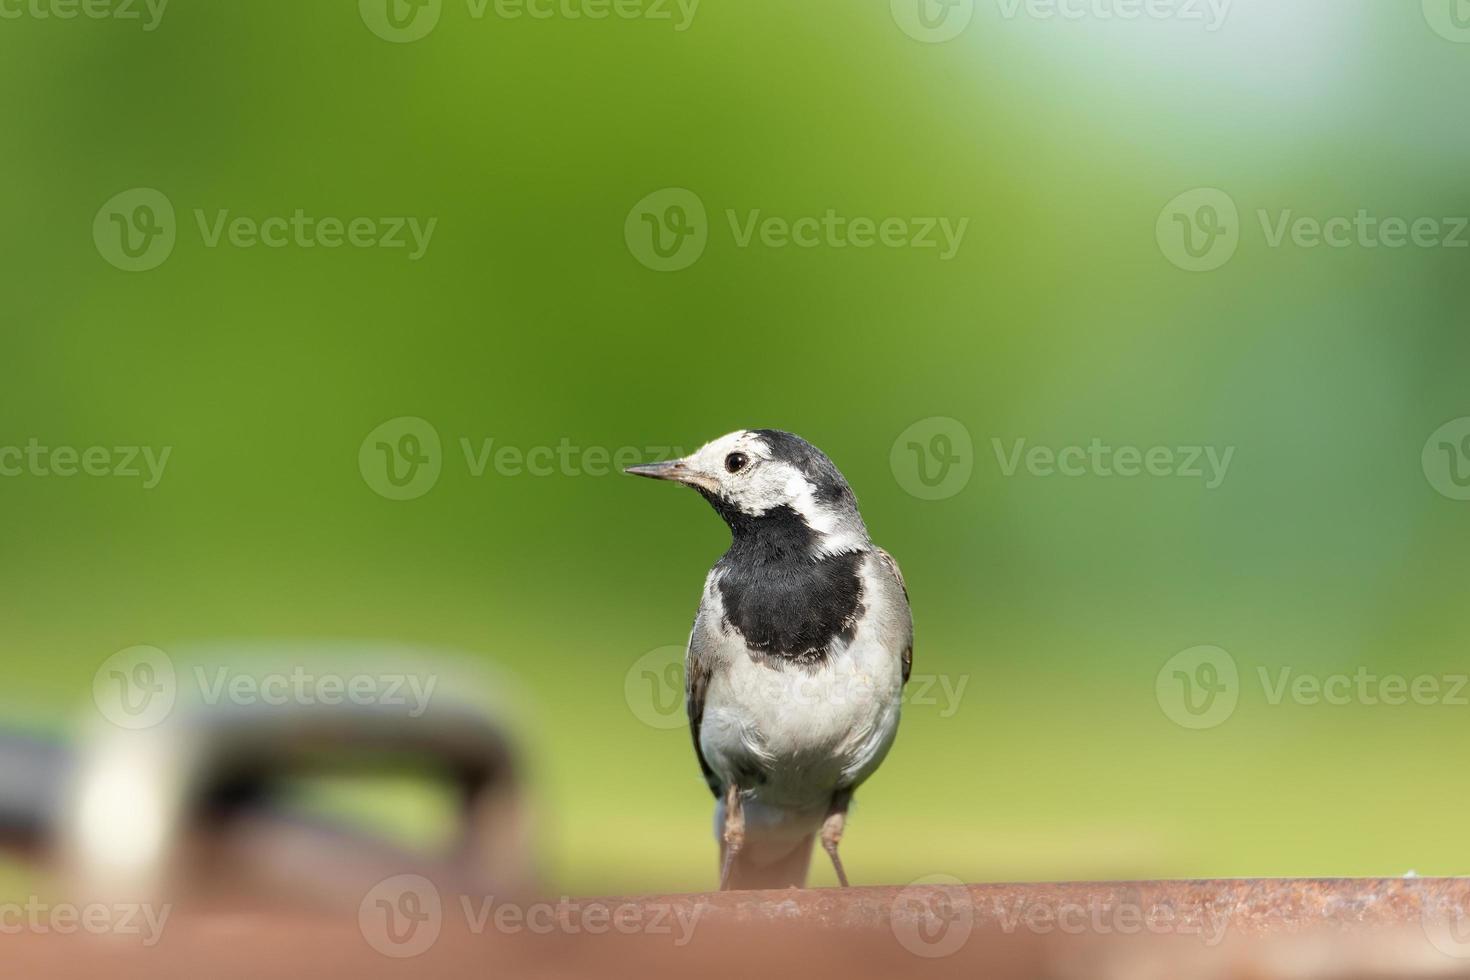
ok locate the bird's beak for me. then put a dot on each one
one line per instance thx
(676, 470)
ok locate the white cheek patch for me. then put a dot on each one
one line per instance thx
(766, 490)
(802, 497)
(834, 538)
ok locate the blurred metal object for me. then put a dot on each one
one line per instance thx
(33, 780)
(191, 810)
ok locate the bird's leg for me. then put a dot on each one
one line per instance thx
(832, 833)
(733, 837)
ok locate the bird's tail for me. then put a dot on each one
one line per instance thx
(753, 870)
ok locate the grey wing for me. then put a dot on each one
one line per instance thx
(698, 666)
(908, 652)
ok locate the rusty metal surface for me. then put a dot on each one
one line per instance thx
(1258, 929)
(1254, 906)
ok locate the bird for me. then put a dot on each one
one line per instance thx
(799, 653)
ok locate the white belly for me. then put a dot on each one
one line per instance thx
(791, 738)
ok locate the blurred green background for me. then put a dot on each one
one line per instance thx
(529, 320)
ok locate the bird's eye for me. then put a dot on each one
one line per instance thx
(735, 462)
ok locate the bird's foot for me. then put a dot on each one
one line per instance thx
(832, 829)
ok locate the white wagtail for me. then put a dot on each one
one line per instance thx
(798, 656)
